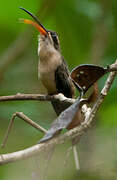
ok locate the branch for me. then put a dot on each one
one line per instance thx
(60, 139)
(113, 67)
(100, 100)
(38, 97)
(27, 120)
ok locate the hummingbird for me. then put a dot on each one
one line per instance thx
(52, 67)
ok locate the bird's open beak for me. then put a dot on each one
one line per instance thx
(36, 24)
(38, 27)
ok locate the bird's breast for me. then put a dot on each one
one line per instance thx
(48, 80)
(46, 70)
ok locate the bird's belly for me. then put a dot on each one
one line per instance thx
(48, 80)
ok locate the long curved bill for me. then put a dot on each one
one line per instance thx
(36, 24)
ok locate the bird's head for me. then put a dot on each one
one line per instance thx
(47, 39)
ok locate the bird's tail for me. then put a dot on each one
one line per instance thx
(59, 106)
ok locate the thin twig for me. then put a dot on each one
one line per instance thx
(26, 119)
(29, 121)
(48, 157)
(76, 157)
(67, 154)
(8, 131)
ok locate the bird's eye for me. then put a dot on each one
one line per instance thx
(55, 39)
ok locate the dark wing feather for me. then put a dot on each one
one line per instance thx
(63, 81)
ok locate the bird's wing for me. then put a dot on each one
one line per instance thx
(63, 80)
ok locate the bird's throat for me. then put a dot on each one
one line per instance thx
(49, 60)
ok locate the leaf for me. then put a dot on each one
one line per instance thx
(86, 75)
(64, 120)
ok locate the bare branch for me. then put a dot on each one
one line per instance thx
(26, 119)
(8, 131)
(76, 157)
(29, 121)
(29, 152)
(113, 67)
(37, 97)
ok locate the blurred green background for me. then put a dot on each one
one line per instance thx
(87, 31)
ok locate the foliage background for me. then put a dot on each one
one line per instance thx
(88, 34)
